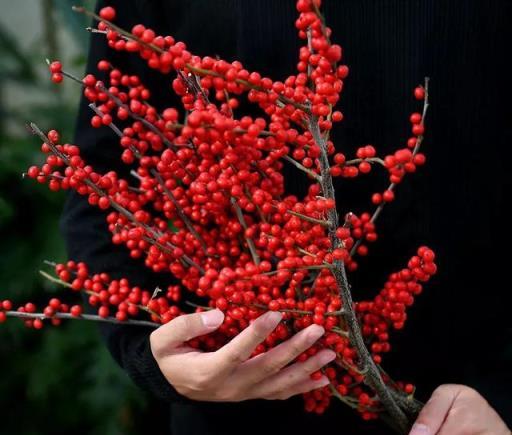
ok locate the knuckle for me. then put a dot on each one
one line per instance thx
(296, 349)
(270, 367)
(235, 357)
(181, 322)
(311, 364)
(259, 331)
(307, 367)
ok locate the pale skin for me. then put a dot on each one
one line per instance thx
(458, 410)
(231, 375)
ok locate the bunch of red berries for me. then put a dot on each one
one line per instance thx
(207, 204)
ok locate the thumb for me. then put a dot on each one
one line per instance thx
(435, 411)
(184, 328)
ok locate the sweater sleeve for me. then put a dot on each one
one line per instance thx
(85, 229)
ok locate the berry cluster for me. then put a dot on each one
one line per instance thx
(207, 204)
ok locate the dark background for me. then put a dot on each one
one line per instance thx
(64, 381)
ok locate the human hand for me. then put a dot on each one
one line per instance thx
(229, 374)
(458, 410)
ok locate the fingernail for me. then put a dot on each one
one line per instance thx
(272, 318)
(212, 318)
(327, 357)
(314, 333)
(420, 429)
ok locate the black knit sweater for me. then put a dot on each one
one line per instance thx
(459, 328)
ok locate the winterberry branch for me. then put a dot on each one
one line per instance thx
(393, 186)
(196, 70)
(224, 175)
(120, 104)
(90, 317)
(111, 125)
(144, 121)
(37, 131)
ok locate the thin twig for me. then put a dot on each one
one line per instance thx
(250, 243)
(313, 220)
(295, 163)
(90, 317)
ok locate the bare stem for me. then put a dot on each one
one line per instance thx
(366, 363)
(369, 160)
(250, 243)
(295, 163)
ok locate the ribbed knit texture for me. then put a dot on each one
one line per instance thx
(458, 330)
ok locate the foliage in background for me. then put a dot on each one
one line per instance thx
(69, 383)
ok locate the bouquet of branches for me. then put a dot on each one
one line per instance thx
(207, 204)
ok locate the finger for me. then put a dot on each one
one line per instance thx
(435, 411)
(471, 413)
(297, 374)
(184, 328)
(240, 348)
(275, 359)
(305, 387)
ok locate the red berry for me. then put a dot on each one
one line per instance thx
(419, 93)
(76, 310)
(388, 196)
(416, 118)
(108, 13)
(55, 67)
(418, 129)
(103, 65)
(57, 78)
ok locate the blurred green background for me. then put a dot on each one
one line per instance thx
(59, 380)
